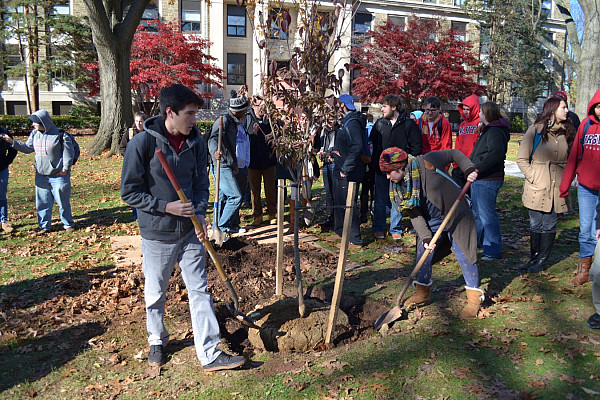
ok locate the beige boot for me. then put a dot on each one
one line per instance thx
(272, 219)
(583, 272)
(421, 297)
(474, 299)
(6, 227)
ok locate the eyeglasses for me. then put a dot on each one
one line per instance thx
(430, 110)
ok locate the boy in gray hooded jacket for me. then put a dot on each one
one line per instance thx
(54, 154)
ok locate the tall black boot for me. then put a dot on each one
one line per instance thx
(546, 243)
(534, 250)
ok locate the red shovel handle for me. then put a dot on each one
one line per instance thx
(168, 170)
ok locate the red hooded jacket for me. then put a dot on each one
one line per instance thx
(584, 158)
(436, 140)
(467, 130)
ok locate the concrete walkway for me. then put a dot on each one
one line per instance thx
(511, 169)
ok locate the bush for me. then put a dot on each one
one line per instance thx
(82, 110)
(204, 126)
(20, 125)
(518, 125)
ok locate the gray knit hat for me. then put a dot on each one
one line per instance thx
(238, 104)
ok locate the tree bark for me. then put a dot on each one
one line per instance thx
(112, 33)
(588, 68)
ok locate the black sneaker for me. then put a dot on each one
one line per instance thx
(594, 321)
(155, 355)
(224, 361)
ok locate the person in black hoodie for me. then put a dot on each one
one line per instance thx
(488, 156)
(7, 155)
(262, 162)
(349, 166)
(395, 129)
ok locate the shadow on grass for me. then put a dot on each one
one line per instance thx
(34, 358)
(103, 217)
(26, 293)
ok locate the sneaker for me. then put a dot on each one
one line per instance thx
(379, 235)
(155, 356)
(488, 258)
(41, 232)
(69, 229)
(224, 361)
(6, 227)
(594, 321)
(397, 236)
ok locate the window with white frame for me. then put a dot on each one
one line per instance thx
(190, 16)
(459, 29)
(236, 21)
(547, 8)
(150, 14)
(362, 23)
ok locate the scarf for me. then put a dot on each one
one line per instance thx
(425, 127)
(407, 195)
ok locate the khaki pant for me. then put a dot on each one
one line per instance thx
(255, 176)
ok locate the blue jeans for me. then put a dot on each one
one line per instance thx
(588, 199)
(595, 278)
(470, 271)
(382, 201)
(489, 237)
(159, 260)
(230, 199)
(49, 189)
(3, 198)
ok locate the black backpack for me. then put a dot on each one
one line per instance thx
(366, 151)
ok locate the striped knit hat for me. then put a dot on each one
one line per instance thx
(392, 159)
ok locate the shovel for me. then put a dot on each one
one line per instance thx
(243, 319)
(396, 312)
(217, 235)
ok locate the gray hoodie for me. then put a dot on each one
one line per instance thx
(53, 150)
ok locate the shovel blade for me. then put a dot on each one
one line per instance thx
(218, 237)
(388, 317)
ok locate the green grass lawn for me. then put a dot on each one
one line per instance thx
(530, 342)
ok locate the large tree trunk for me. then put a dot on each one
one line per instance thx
(112, 32)
(588, 67)
(115, 93)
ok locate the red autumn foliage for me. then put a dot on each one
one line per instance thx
(423, 60)
(162, 58)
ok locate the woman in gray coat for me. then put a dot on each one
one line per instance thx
(542, 157)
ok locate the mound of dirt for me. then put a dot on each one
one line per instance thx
(283, 330)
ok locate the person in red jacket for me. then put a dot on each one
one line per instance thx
(468, 132)
(584, 160)
(435, 129)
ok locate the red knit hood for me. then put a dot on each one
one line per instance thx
(590, 111)
(473, 103)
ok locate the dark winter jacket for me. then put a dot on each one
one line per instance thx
(489, 152)
(229, 136)
(262, 155)
(348, 143)
(404, 134)
(146, 186)
(131, 132)
(7, 153)
(442, 193)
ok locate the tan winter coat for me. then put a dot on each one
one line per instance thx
(543, 174)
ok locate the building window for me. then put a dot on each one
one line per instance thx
(190, 16)
(236, 21)
(236, 69)
(429, 1)
(150, 14)
(61, 9)
(362, 23)
(459, 3)
(280, 20)
(547, 8)
(61, 107)
(459, 29)
(16, 108)
(484, 41)
(397, 22)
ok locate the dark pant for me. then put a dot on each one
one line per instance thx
(255, 178)
(340, 193)
(540, 221)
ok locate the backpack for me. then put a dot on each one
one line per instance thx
(76, 149)
(587, 125)
(420, 124)
(366, 151)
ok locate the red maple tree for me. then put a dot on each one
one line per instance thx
(162, 58)
(423, 60)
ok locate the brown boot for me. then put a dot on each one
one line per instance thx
(474, 299)
(258, 220)
(421, 296)
(272, 219)
(583, 272)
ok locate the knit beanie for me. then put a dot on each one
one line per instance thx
(392, 159)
